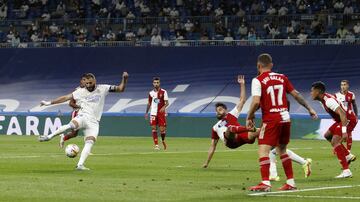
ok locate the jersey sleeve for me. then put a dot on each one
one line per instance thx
(235, 112)
(332, 104)
(105, 88)
(76, 94)
(214, 135)
(166, 95)
(288, 85)
(255, 87)
(353, 97)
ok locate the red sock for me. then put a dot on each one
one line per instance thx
(341, 154)
(265, 168)
(155, 137)
(349, 142)
(237, 129)
(66, 137)
(287, 164)
(163, 136)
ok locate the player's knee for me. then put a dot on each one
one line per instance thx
(90, 140)
(73, 124)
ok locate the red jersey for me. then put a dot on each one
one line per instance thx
(220, 127)
(347, 100)
(272, 88)
(330, 104)
(157, 100)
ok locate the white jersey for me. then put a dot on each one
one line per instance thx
(220, 127)
(91, 103)
(157, 100)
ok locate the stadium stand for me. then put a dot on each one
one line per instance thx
(159, 21)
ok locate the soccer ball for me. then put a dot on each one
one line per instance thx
(72, 150)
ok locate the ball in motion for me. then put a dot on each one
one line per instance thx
(72, 150)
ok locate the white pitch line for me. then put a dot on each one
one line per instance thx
(317, 197)
(35, 155)
(302, 190)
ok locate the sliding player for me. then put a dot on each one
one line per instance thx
(92, 99)
(345, 122)
(158, 101)
(347, 98)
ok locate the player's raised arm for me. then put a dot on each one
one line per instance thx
(121, 87)
(58, 100)
(210, 152)
(241, 81)
(300, 99)
(255, 103)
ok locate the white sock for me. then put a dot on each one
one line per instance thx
(85, 152)
(266, 182)
(62, 129)
(273, 170)
(296, 158)
(291, 182)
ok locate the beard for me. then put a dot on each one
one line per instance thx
(91, 88)
(219, 116)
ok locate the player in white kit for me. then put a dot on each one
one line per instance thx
(91, 100)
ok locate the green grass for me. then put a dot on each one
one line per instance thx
(127, 169)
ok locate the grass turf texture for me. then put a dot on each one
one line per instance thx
(127, 169)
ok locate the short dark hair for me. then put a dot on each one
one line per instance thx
(88, 75)
(156, 79)
(220, 104)
(319, 85)
(265, 59)
(345, 81)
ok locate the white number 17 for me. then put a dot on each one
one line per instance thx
(271, 90)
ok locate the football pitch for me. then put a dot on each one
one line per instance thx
(128, 169)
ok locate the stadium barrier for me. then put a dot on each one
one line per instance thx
(134, 124)
(187, 43)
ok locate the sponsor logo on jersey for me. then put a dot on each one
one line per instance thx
(157, 100)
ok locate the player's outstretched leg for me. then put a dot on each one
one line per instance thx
(306, 163)
(349, 142)
(72, 125)
(66, 137)
(163, 135)
(89, 142)
(273, 171)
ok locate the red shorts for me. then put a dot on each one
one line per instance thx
(74, 114)
(239, 140)
(335, 128)
(159, 120)
(275, 133)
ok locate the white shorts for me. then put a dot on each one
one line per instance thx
(89, 125)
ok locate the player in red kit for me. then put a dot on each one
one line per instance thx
(347, 98)
(72, 104)
(269, 91)
(158, 101)
(345, 122)
(228, 129)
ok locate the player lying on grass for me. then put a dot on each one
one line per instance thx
(91, 100)
(234, 135)
(345, 122)
(74, 113)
